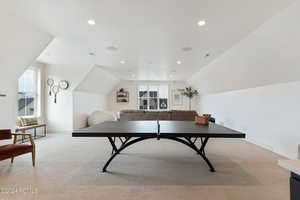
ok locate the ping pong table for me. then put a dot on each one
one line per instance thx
(122, 134)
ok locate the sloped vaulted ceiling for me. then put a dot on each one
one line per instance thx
(149, 34)
(98, 81)
(269, 55)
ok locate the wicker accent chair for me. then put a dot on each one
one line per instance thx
(13, 150)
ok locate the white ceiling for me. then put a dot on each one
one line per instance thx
(149, 34)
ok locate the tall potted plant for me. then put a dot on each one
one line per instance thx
(190, 93)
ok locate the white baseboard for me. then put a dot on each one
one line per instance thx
(270, 148)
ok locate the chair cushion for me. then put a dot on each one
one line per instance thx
(164, 115)
(183, 115)
(7, 151)
(28, 121)
(5, 134)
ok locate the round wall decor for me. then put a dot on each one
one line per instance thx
(64, 84)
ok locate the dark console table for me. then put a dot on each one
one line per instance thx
(294, 167)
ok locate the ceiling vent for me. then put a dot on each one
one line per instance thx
(187, 49)
(112, 48)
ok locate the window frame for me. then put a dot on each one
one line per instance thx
(37, 94)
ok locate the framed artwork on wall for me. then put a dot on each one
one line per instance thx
(177, 98)
(122, 96)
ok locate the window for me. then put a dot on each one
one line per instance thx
(153, 97)
(28, 93)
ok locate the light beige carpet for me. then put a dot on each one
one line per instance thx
(70, 168)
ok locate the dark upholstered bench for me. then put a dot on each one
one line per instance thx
(177, 115)
(172, 115)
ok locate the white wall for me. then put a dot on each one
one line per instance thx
(21, 43)
(84, 104)
(254, 86)
(60, 115)
(269, 115)
(132, 88)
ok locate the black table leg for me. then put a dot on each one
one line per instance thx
(203, 144)
(201, 151)
(117, 151)
(128, 143)
(113, 144)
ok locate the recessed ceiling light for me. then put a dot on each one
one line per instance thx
(91, 22)
(122, 62)
(201, 23)
(178, 62)
(112, 48)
